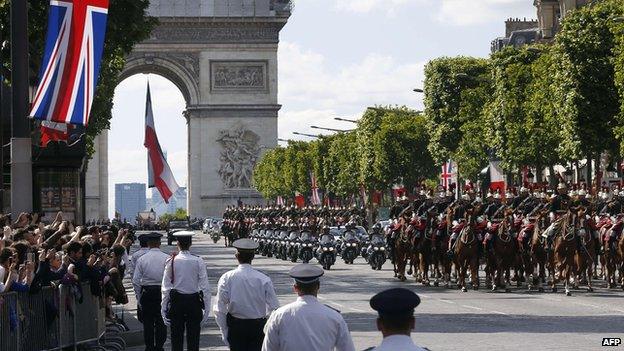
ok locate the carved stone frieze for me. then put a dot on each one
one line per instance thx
(238, 75)
(214, 33)
(239, 153)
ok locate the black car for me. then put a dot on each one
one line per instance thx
(176, 226)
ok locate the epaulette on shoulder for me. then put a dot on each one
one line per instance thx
(332, 308)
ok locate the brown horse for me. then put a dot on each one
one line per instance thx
(532, 253)
(425, 250)
(402, 251)
(467, 256)
(586, 258)
(441, 262)
(503, 257)
(564, 252)
(611, 256)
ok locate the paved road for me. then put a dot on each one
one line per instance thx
(447, 319)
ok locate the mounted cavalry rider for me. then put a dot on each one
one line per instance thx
(459, 210)
(559, 205)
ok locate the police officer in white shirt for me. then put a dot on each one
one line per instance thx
(245, 297)
(147, 280)
(185, 295)
(134, 258)
(306, 324)
(396, 319)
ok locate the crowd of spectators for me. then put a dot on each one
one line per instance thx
(35, 253)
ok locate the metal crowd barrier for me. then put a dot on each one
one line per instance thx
(52, 319)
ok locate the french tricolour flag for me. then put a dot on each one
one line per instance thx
(159, 172)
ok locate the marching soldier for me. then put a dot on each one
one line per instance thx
(185, 295)
(306, 324)
(147, 280)
(244, 299)
(396, 319)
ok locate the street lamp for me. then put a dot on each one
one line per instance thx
(345, 120)
(332, 129)
(284, 140)
(419, 90)
(307, 135)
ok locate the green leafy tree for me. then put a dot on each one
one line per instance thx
(401, 149)
(456, 92)
(128, 24)
(523, 128)
(342, 165)
(618, 30)
(586, 96)
(268, 177)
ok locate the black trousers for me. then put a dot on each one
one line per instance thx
(185, 313)
(154, 329)
(245, 334)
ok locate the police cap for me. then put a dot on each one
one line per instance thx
(395, 302)
(247, 245)
(306, 273)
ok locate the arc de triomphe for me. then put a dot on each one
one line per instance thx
(222, 55)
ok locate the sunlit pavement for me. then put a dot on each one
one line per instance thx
(447, 319)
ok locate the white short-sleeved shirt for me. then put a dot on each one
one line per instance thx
(306, 325)
(398, 342)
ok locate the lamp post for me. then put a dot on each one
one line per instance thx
(419, 90)
(332, 129)
(21, 152)
(307, 135)
(345, 120)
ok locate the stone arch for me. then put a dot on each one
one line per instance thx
(182, 70)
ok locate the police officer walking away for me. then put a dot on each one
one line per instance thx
(396, 319)
(147, 280)
(245, 297)
(306, 324)
(185, 295)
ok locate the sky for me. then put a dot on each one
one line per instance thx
(336, 57)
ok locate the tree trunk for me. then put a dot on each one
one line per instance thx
(589, 179)
(552, 178)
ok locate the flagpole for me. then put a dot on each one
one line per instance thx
(21, 149)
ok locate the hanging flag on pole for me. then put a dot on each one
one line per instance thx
(497, 177)
(52, 131)
(159, 172)
(448, 174)
(316, 199)
(280, 201)
(71, 61)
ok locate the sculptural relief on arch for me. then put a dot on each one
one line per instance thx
(222, 55)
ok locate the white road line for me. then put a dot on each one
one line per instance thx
(445, 301)
(337, 304)
(498, 312)
(357, 309)
(472, 307)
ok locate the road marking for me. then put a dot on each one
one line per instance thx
(498, 312)
(357, 309)
(473, 307)
(445, 301)
(337, 304)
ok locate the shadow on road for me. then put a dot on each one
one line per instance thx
(484, 323)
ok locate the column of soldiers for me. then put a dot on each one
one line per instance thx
(173, 291)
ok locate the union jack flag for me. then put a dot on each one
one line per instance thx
(316, 199)
(71, 61)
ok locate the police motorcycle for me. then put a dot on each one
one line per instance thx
(307, 242)
(281, 247)
(326, 251)
(376, 251)
(261, 240)
(269, 236)
(350, 244)
(293, 245)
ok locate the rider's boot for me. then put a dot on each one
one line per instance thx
(579, 244)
